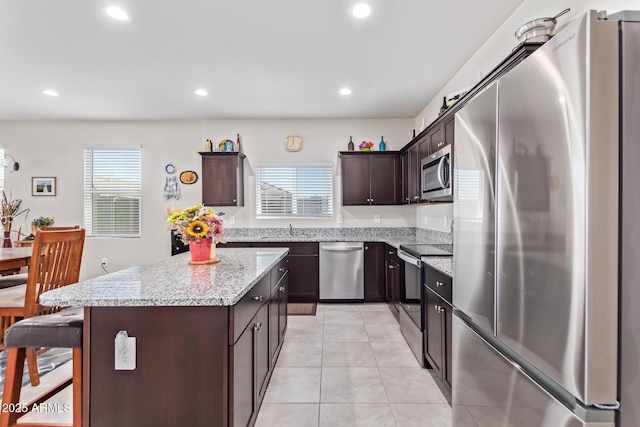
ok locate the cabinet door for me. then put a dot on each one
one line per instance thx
(274, 330)
(414, 174)
(437, 139)
(374, 272)
(404, 162)
(263, 359)
(448, 356)
(355, 179)
(304, 278)
(385, 182)
(393, 285)
(243, 378)
(283, 297)
(433, 331)
(449, 130)
(220, 180)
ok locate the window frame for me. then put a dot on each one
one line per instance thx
(87, 206)
(297, 165)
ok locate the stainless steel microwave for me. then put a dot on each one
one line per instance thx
(436, 176)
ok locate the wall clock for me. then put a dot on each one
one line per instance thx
(293, 143)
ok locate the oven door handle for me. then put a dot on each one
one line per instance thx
(406, 257)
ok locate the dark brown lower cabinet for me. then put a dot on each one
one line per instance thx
(195, 366)
(374, 272)
(437, 339)
(304, 267)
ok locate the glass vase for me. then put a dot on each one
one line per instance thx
(6, 243)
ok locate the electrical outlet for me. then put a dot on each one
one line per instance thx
(446, 221)
(125, 352)
(426, 219)
(376, 219)
(232, 219)
(105, 261)
(340, 218)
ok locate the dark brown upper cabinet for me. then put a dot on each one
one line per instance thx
(370, 178)
(222, 178)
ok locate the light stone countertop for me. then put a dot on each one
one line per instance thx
(442, 264)
(173, 282)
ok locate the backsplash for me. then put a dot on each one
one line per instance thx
(340, 233)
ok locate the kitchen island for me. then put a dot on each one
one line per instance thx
(207, 338)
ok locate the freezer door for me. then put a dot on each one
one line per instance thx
(491, 391)
(557, 210)
(474, 208)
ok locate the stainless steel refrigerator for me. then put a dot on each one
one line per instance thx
(539, 217)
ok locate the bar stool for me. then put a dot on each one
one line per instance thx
(60, 330)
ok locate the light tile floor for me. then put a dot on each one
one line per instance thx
(347, 366)
(350, 366)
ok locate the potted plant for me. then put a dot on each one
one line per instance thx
(200, 228)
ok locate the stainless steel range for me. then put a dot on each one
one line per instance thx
(411, 293)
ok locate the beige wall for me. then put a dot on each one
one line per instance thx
(55, 149)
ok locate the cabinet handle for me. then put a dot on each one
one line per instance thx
(416, 197)
(257, 327)
(258, 298)
(438, 284)
(234, 200)
(407, 199)
(281, 269)
(366, 248)
(391, 267)
(391, 252)
(281, 288)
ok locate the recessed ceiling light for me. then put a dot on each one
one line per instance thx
(361, 10)
(50, 92)
(117, 13)
(345, 91)
(201, 92)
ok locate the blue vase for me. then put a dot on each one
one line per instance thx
(383, 145)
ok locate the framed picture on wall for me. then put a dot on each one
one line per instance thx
(43, 186)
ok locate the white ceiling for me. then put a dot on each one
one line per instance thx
(256, 58)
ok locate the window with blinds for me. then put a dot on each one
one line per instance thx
(288, 191)
(112, 191)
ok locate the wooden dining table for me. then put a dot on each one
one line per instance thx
(14, 258)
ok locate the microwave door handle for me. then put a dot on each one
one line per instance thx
(440, 167)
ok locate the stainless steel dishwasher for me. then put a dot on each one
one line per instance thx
(342, 271)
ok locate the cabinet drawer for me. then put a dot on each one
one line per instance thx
(439, 283)
(244, 310)
(279, 271)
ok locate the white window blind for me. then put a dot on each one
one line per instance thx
(3, 169)
(112, 190)
(301, 190)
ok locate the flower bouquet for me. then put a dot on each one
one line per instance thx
(201, 229)
(365, 146)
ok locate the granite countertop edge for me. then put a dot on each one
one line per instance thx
(86, 294)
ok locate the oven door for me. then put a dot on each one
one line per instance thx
(411, 288)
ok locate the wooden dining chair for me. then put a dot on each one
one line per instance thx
(17, 278)
(55, 262)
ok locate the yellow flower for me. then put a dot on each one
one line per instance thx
(197, 229)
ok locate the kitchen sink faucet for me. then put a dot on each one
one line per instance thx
(290, 230)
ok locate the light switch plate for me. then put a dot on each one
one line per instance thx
(376, 219)
(232, 219)
(340, 218)
(446, 221)
(125, 353)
